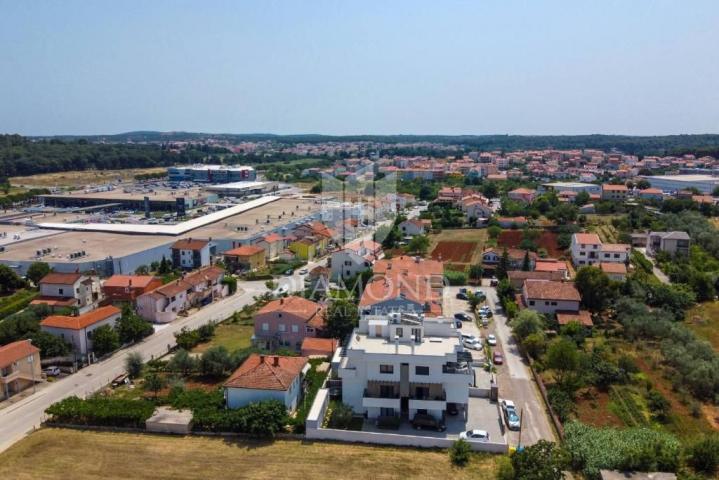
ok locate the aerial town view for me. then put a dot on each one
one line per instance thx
(341, 240)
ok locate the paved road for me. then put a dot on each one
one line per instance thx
(513, 377)
(27, 414)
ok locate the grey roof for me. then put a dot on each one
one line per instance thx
(617, 475)
(672, 235)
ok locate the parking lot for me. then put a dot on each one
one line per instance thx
(513, 376)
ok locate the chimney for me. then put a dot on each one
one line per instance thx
(262, 359)
(282, 300)
(129, 282)
(276, 361)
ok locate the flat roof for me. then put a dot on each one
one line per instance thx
(683, 178)
(571, 184)
(159, 229)
(237, 186)
(430, 346)
(157, 194)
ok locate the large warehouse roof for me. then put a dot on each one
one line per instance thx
(177, 229)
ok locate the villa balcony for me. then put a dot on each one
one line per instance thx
(378, 400)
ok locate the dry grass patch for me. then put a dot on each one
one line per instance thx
(70, 454)
(81, 178)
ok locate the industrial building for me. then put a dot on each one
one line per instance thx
(211, 173)
(673, 183)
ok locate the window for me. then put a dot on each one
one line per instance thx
(531, 302)
(386, 369)
(59, 291)
(265, 327)
(281, 327)
(295, 329)
(421, 370)
(616, 255)
(386, 412)
(554, 304)
(398, 332)
(546, 303)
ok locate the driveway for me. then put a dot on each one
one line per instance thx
(514, 378)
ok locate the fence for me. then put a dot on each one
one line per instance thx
(314, 431)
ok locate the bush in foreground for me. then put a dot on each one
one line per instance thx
(460, 452)
(102, 412)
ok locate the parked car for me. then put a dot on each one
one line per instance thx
(472, 344)
(462, 316)
(475, 435)
(485, 322)
(452, 408)
(491, 339)
(52, 371)
(497, 358)
(282, 290)
(480, 294)
(467, 336)
(510, 414)
(289, 272)
(423, 420)
(462, 296)
(463, 290)
(493, 282)
(303, 271)
(122, 379)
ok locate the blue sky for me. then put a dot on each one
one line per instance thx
(354, 67)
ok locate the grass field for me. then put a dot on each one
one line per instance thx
(13, 191)
(70, 454)
(477, 235)
(80, 178)
(703, 320)
(232, 336)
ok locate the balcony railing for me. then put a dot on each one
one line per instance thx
(371, 394)
(456, 369)
(438, 397)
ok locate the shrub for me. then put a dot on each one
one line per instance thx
(703, 455)
(215, 362)
(133, 364)
(505, 470)
(103, 412)
(259, 419)
(105, 340)
(460, 452)
(455, 278)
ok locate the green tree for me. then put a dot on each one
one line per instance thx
(703, 455)
(131, 327)
(341, 317)
(142, 270)
(182, 362)
(594, 287)
(526, 263)
(215, 362)
(460, 452)
(542, 461)
(154, 383)
(419, 244)
(165, 266)
(49, 344)
(494, 231)
(526, 323)
(133, 364)
(582, 198)
(503, 265)
(475, 271)
(9, 280)
(563, 357)
(563, 213)
(36, 271)
(105, 340)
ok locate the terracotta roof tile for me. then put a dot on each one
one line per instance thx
(140, 281)
(244, 251)
(266, 372)
(61, 278)
(189, 244)
(590, 238)
(548, 290)
(15, 351)
(81, 321)
(311, 312)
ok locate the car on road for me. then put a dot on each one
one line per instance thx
(475, 435)
(462, 296)
(472, 344)
(493, 282)
(303, 271)
(485, 322)
(52, 371)
(283, 289)
(510, 414)
(480, 295)
(423, 420)
(467, 336)
(289, 272)
(492, 339)
(462, 316)
(497, 358)
(485, 311)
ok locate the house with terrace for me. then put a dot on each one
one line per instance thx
(69, 290)
(20, 367)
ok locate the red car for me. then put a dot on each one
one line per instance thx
(497, 358)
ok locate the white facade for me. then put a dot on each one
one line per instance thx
(347, 264)
(81, 340)
(241, 397)
(401, 365)
(585, 252)
(85, 290)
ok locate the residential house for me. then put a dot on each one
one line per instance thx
(546, 296)
(273, 244)
(614, 192)
(266, 377)
(615, 252)
(674, 243)
(615, 271)
(512, 222)
(126, 288)
(476, 206)
(306, 248)
(191, 253)
(317, 280)
(245, 258)
(415, 226)
(320, 235)
(399, 365)
(526, 195)
(77, 331)
(651, 194)
(74, 290)
(492, 256)
(586, 249)
(517, 277)
(552, 265)
(356, 257)
(20, 367)
(285, 322)
(163, 304)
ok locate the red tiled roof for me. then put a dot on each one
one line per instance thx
(410, 265)
(591, 238)
(140, 281)
(61, 278)
(541, 266)
(614, 188)
(12, 352)
(189, 244)
(608, 267)
(319, 346)
(616, 247)
(54, 301)
(81, 321)
(266, 372)
(309, 311)
(583, 317)
(273, 237)
(244, 251)
(548, 290)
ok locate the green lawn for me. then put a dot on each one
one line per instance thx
(232, 336)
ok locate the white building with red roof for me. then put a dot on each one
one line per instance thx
(356, 257)
(19, 367)
(77, 331)
(266, 377)
(73, 290)
(285, 322)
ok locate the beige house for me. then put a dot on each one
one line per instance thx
(19, 367)
(69, 290)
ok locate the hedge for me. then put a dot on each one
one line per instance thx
(263, 419)
(16, 302)
(101, 412)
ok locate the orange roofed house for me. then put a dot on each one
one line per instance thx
(545, 296)
(74, 290)
(19, 367)
(77, 331)
(266, 377)
(286, 322)
(191, 253)
(244, 258)
(404, 284)
(126, 288)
